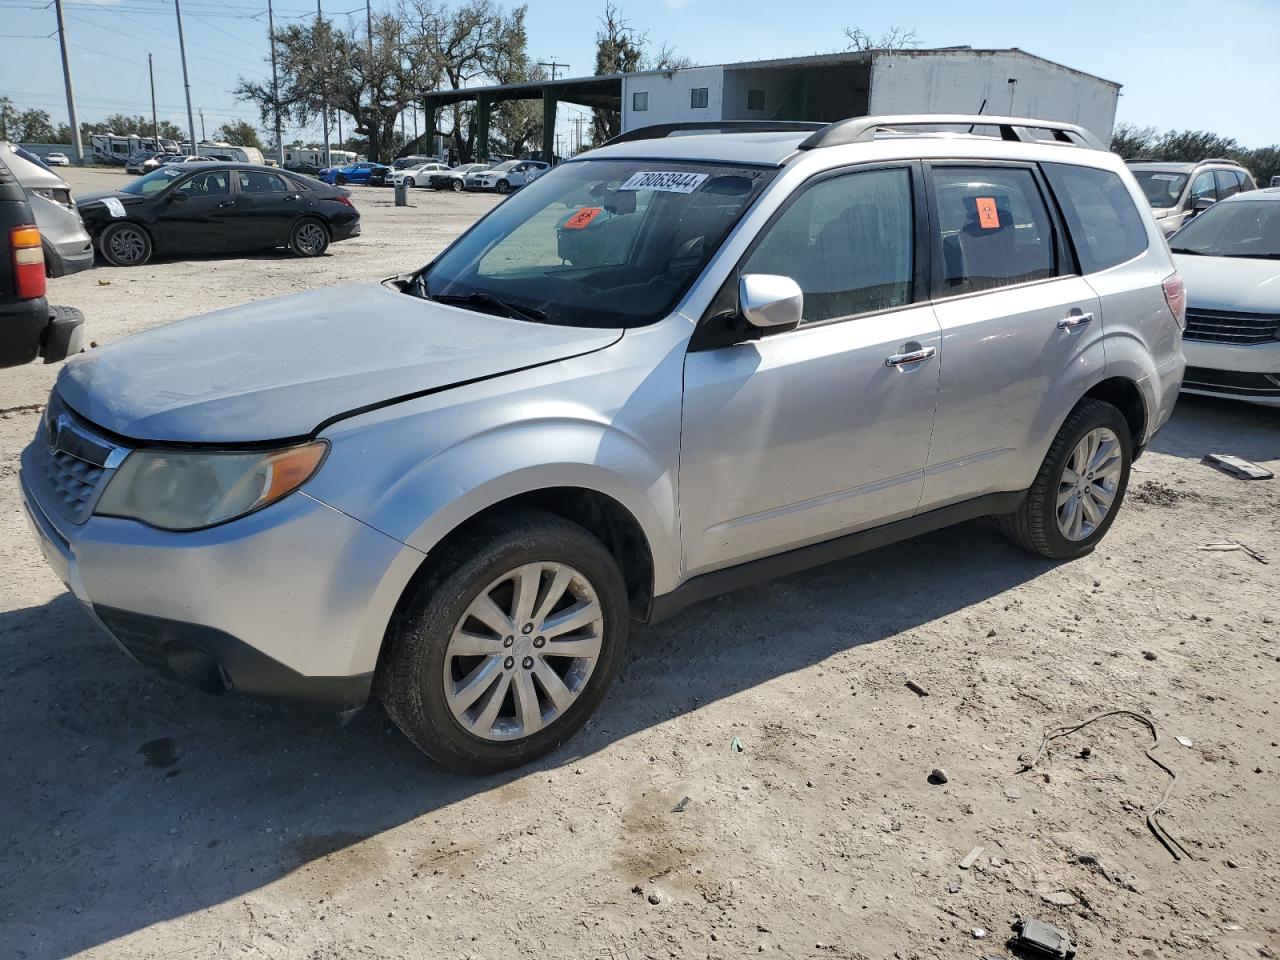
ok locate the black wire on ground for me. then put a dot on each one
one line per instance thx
(1170, 843)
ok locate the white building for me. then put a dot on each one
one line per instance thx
(873, 82)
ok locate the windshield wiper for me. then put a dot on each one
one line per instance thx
(1194, 253)
(479, 299)
(1253, 256)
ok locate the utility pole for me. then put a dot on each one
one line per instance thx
(577, 122)
(155, 126)
(553, 66)
(275, 89)
(368, 14)
(203, 136)
(76, 146)
(324, 106)
(186, 80)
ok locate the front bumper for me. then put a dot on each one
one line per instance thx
(290, 603)
(1233, 371)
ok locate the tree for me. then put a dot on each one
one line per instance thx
(34, 126)
(895, 38)
(1146, 143)
(239, 133)
(121, 125)
(8, 119)
(620, 48)
(1132, 141)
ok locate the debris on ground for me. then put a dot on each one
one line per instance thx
(971, 858)
(1228, 546)
(737, 746)
(917, 689)
(1237, 467)
(1185, 741)
(1060, 898)
(1176, 849)
(682, 806)
(1041, 939)
(1157, 494)
(938, 776)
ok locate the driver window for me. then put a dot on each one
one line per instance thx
(1202, 187)
(847, 242)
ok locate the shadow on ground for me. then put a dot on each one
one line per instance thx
(135, 800)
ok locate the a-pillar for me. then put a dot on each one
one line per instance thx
(482, 128)
(548, 124)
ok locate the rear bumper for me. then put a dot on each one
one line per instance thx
(344, 231)
(31, 329)
(69, 258)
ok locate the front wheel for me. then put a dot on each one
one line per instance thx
(408, 182)
(503, 186)
(456, 186)
(340, 179)
(509, 644)
(125, 245)
(1081, 484)
(309, 238)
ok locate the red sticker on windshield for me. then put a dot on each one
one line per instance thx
(988, 216)
(583, 217)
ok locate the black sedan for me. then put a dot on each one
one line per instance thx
(202, 208)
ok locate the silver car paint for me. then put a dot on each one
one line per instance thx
(69, 248)
(605, 412)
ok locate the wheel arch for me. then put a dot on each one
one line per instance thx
(1125, 395)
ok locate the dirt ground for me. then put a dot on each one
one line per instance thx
(140, 819)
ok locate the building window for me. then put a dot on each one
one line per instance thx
(755, 99)
(698, 98)
(640, 101)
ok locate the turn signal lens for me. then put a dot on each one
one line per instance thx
(1175, 294)
(28, 262)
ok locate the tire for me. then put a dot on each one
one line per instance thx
(503, 186)
(1038, 526)
(456, 186)
(125, 244)
(421, 668)
(409, 182)
(340, 179)
(309, 237)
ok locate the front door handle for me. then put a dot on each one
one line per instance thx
(913, 356)
(1075, 319)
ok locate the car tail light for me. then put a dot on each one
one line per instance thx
(1175, 294)
(28, 262)
(345, 200)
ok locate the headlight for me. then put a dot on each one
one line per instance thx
(185, 490)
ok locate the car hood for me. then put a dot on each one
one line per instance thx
(92, 202)
(1230, 283)
(280, 368)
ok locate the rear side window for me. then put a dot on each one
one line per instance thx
(847, 241)
(994, 228)
(1228, 183)
(1105, 225)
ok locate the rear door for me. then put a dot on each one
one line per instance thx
(804, 435)
(266, 206)
(1021, 335)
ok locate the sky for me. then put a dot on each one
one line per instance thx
(1183, 64)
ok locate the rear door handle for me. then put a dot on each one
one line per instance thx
(1076, 319)
(914, 356)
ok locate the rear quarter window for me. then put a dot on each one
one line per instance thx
(1105, 225)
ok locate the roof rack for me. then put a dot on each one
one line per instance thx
(1234, 163)
(658, 131)
(863, 129)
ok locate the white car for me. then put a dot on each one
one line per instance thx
(1230, 258)
(417, 176)
(57, 160)
(508, 176)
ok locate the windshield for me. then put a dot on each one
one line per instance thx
(596, 243)
(1239, 228)
(1162, 188)
(153, 182)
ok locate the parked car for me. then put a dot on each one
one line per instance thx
(380, 176)
(457, 488)
(1230, 257)
(417, 176)
(167, 159)
(351, 173)
(30, 327)
(1178, 191)
(301, 166)
(402, 163)
(452, 178)
(34, 175)
(56, 159)
(68, 247)
(506, 176)
(217, 208)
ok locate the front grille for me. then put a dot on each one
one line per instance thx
(1225, 326)
(1229, 381)
(71, 463)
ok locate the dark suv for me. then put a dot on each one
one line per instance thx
(29, 327)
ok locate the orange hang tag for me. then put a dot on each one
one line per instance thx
(583, 217)
(988, 216)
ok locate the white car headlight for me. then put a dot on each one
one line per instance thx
(187, 490)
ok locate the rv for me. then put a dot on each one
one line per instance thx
(109, 148)
(219, 150)
(314, 156)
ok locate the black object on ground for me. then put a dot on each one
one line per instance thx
(1037, 939)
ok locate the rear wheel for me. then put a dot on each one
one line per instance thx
(309, 238)
(408, 182)
(125, 245)
(509, 645)
(1081, 484)
(456, 186)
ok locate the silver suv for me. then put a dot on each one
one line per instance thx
(666, 369)
(1178, 191)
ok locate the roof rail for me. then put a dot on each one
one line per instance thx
(863, 129)
(1234, 163)
(658, 131)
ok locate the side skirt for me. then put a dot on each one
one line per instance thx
(815, 555)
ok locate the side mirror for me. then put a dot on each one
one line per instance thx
(1201, 205)
(770, 302)
(180, 196)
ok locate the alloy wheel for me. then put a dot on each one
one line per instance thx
(522, 653)
(311, 239)
(1087, 488)
(127, 245)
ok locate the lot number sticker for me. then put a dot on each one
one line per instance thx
(114, 206)
(582, 218)
(664, 181)
(988, 216)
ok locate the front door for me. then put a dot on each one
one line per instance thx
(805, 435)
(198, 214)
